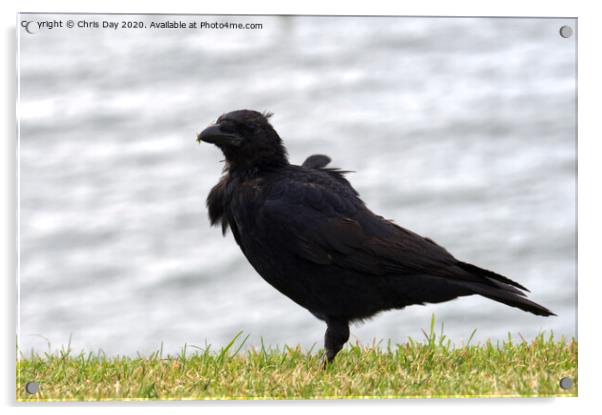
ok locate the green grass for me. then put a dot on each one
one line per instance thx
(429, 368)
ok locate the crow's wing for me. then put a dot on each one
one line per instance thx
(316, 161)
(322, 221)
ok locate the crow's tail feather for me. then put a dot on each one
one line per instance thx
(473, 269)
(510, 298)
(502, 289)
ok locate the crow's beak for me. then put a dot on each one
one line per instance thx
(215, 135)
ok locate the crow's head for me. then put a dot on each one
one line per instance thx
(247, 139)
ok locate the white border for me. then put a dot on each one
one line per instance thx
(18, 184)
(589, 207)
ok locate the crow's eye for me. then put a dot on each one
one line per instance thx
(227, 127)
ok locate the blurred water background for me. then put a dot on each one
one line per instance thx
(461, 129)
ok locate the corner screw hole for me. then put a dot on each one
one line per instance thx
(566, 31)
(32, 387)
(566, 383)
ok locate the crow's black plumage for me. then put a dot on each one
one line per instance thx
(307, 233)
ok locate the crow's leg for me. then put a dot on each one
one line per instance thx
(337, 334)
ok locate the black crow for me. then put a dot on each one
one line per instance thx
(306, 231)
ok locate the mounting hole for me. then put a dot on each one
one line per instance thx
(566, 31)
(566, 383)
(32, 387)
